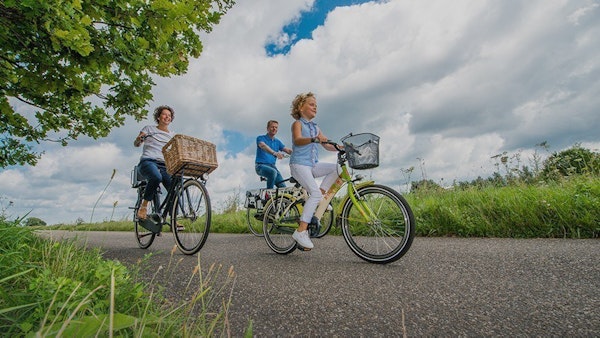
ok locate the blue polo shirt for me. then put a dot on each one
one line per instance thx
(263, 156)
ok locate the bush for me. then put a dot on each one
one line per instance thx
(575, 160)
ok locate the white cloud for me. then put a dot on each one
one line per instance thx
(450, 83)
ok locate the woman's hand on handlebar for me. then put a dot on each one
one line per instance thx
(332, 145)
(139, 139)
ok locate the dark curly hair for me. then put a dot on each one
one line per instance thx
(159, 110)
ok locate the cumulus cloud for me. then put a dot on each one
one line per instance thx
(447, 85)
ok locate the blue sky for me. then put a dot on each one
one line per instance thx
(305, 24)
(446, 85)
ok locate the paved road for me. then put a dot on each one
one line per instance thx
(442, 287)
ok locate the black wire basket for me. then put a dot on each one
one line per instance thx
(362, 150)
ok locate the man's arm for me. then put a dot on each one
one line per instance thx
(266, 148)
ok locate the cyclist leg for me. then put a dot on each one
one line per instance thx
(279, 180)
(303, 174)
(166, 179)
(149, 168)
(329, 170)
(268, 172)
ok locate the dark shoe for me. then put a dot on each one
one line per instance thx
(259, 216)
(314, 227)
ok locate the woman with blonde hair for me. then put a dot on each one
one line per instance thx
(304, 161)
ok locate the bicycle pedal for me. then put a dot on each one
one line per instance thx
(301, 248)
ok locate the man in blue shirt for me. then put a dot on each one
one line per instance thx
(268, 150)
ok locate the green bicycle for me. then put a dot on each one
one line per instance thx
(376, 221)
(257, 199)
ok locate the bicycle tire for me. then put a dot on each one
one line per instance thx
(143, 236)
(326, 222)
(191, 209)
(279, 224)
(386, 238)
(255, 224)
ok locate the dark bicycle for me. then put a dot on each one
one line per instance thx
(185, 209)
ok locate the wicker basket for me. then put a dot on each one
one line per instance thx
(189, 156)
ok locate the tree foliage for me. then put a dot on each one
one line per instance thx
(34, 221)
(84, 66)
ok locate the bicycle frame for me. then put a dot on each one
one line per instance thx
(163, 208)
(344, 178)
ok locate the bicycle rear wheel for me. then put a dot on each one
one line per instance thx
(143, 236)
(387, 234)
(191, 216)
(279, 223)
(254, 218)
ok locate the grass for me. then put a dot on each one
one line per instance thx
(565, 209)
(569, 208)
(59, 289)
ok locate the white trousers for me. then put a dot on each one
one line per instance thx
(305, 175)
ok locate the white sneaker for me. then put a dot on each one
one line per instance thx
(329, 207)
(303, 239)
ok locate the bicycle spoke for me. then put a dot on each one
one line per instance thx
(386, 230)
(190, 217)
(143, 236)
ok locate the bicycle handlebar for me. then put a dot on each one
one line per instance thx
(284, 155)
(143, 138)
(337, 146)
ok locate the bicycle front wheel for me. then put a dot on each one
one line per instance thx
(385, 232)
(143, 236)
(279, 223)
(190, 217)
(254, 218)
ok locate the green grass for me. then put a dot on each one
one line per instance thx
(569, 208)
(59, 289)
(565, 209)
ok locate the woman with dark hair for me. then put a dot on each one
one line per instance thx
(152, 162)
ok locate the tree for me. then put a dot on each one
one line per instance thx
(34, 221)
(84, 66)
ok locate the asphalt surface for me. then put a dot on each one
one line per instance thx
(441, 287)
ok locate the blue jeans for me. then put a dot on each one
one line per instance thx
(270, 172)
(154, 172)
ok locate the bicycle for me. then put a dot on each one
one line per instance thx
(186, 205)
(254, 204)
(376, 221)
(257, 199)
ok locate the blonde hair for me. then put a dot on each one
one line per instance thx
(298, 102)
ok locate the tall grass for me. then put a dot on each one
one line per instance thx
(569, 208)
(58, 289)
(564, 209)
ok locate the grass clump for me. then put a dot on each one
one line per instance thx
(568, 208)
(59, 289)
